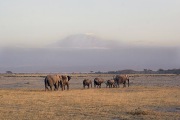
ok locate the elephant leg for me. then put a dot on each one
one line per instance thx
(117, 83)
(58, 84)
(124, 84)
(128, 83)
(62, 87)
(46, 88)
(51, 88)
(54, 87)
(57, 87)
(67, 86)
(88, 85)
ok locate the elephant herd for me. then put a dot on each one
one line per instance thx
(57, 81)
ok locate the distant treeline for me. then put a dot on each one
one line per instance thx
(145, 71)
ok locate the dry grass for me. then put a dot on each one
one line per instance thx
(111, 104)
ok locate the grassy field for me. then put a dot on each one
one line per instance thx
(137, 102)
(111, 104)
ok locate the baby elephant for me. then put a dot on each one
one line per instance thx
(87, 82)
(110, 83)
(98, 82)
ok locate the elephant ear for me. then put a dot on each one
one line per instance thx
(60, 77)
(69, 77)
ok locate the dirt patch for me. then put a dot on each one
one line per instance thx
(140, 111)
(168, 109)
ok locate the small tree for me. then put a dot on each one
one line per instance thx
(9, 72)
(161, 71)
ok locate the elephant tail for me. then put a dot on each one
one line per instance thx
(128, 82)
(60, 83)
(46, 83)
(127, 79)
(94, 83)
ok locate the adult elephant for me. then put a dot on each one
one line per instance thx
(51, 81)
(110, 83)
(98, 82)
(87, 82)
(121, 79)
(65, 82)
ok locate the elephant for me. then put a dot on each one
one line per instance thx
(98, 82)
(87, 82)
(121, 79)
(65, 82)
(110, 83)
(52, 80)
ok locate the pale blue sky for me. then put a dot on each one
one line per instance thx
(41, 22)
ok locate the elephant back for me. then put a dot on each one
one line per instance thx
(110, 81)
(99, 80)
(121, 78)
(87, 81)
(53, 78)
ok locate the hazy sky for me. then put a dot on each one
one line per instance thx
(43, 35)
(36, 23)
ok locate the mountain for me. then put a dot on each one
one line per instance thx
(83, 41)
(84, 53)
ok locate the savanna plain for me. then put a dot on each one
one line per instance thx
(23, 97)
